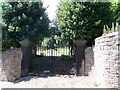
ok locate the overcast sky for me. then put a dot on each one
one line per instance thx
(52, 7)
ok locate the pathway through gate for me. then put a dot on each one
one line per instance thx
(53, 58)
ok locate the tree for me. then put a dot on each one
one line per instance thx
(83, 20)
(115, 7)
(23, 20)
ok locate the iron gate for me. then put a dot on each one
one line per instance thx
(54, 57)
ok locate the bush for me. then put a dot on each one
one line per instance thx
(66, 58)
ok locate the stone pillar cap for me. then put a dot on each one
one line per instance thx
(80, 42)
(25, 42)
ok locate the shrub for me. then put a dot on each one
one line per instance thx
(66, 58)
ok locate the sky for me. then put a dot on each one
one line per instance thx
(52, 7)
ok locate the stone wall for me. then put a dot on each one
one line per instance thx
(89, 60)
(106, 59)
(10, 65)
(88, 63)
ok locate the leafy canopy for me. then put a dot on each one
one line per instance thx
(23, 20)
(83, 20)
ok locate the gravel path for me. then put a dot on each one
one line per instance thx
(62, 81)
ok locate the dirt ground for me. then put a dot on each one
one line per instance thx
(58, 81)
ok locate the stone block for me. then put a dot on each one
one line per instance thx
(11, 64)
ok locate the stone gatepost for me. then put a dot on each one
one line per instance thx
(26, 47)
(80, 56)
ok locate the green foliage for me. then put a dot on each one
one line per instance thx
(115, 28)
(23, 20)
(0, 13)
(83, 20)
(66, 58)
(51, 43)
(115, 8)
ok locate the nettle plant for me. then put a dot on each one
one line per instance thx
(115, 28)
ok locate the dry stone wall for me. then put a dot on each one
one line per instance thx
(106, 59)
(10, 65)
